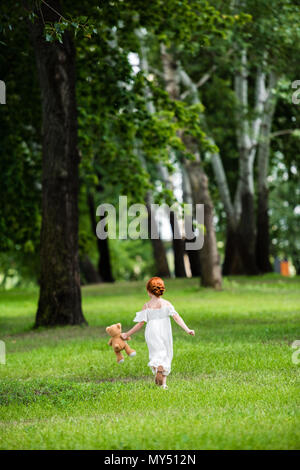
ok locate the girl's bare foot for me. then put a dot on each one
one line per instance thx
(159, 375)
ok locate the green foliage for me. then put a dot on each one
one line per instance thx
(20, 155)
(272, 33)
(131, 259)
(120, 141)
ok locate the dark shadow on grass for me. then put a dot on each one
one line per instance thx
(217, 329)
(61, 390)
(94, 380)
(11, 326)
(41, 337)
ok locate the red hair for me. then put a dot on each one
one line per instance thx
(156, 286)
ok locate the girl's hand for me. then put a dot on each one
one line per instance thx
(124, 336)
(191, 332)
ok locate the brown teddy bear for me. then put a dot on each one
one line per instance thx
(117, 343)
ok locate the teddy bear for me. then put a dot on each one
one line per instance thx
(117, 343)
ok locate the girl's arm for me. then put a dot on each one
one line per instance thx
(181, 323)
(133, 330)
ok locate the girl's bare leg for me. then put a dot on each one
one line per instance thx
(159, 375)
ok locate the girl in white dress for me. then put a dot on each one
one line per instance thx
(158, 333)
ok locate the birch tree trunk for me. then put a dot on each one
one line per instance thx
(263, 239)
(209, 257)
(243, 249)
(60, 296)
(232, 262)
(246, 230)
(178, 244)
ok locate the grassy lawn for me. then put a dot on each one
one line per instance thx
(233, 386)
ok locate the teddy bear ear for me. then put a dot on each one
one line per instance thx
(107, 329)
(119, 325)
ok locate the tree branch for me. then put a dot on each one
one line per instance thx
(283, 132)
(206, 76)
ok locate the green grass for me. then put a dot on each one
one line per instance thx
(233, 386)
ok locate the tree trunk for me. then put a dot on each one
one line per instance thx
(89, 275)
(194, 259)
(263, 239)
(104, 264)
(209, 257)
(246, 227)
(210, 261)
(232, 263)
(178, 247)
(177, 243)
(159, 252)
(247, 139)
(247, 234)
(60, 295)
(194, 255)
(232, 260)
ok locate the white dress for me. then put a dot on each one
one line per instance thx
(158, 335)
